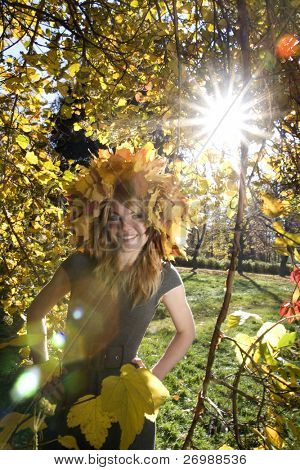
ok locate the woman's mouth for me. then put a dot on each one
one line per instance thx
(129, 237)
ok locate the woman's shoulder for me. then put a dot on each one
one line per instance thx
(170, 277)
(78, 264)
(167, 266)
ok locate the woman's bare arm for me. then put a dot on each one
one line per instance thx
(179, 309)
(49, 296)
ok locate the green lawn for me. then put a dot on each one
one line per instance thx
(255, 293)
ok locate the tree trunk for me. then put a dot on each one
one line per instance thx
(197, 248)
(200, 406)
(241, 253)
(282, 267)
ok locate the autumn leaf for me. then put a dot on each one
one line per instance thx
(291, 311)
(272, 207)
(122, 102)
(295, 275)
(68, 441)
(225, 447)
(73, 69)
(239, 317)
(23, 141)
(129, 396)
(244, 343)
(94, 421)
(281, 246)
(274, 437)
(31, 158)
(273, 336)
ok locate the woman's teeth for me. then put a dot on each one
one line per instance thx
(129, 238)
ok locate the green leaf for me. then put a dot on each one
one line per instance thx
(288, 339)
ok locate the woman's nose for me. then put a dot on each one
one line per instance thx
(126, 223)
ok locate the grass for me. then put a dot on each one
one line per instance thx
(255, 293)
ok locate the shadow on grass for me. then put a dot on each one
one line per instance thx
(263, 289)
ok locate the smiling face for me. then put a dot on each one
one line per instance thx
(127, 225)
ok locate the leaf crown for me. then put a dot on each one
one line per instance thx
(144, 171)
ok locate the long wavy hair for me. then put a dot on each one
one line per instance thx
(142, 279)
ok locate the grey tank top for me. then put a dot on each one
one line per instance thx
(94, 322)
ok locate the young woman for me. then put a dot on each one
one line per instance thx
(116, 279)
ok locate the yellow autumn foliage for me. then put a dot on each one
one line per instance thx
(274, 437)
(68, 441)
(272, 207)
(94, 421)
(167, 207)
(129, 396)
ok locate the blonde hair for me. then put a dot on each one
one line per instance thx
(142, 279)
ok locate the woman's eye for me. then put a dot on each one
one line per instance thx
(114, 218)
(139, 216)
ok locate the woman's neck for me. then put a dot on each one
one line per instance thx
(126, 260)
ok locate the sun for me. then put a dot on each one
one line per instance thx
(222, 118)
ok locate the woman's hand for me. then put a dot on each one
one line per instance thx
(138, 361)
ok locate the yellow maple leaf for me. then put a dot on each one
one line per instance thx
(94, 421)
(129, 397)
(68, 441)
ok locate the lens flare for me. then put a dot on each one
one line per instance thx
(58, 340)
(26, 385)
(77, 314)
(287, 46)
